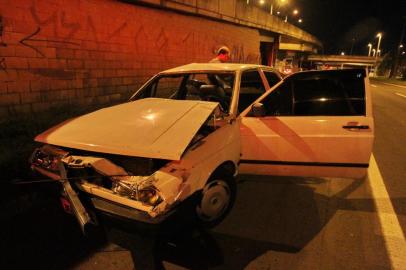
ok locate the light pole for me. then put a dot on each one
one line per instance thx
(395, 62)
(369, 49)
(379, 36)
(352, 45)
(277, 3)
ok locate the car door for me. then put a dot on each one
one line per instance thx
(316, 123)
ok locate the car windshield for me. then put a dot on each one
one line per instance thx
(207, 86)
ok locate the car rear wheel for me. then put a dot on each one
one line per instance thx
(216, 200)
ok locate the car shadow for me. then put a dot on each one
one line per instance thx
(271, 214)
(36, 233)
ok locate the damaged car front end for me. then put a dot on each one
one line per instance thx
(112, 189)
(145, 182)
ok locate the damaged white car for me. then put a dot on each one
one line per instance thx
(189, 131)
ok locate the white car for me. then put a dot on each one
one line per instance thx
(187, 132)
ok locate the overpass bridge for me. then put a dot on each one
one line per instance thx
(276, 35)
(344, 60)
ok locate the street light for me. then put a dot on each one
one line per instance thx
(373, 52)
(342, 53)
(369, 49)
(300, 21)
(379, 36)
(294, 12)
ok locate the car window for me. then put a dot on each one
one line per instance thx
(166, 87)
(206, 86)
(251, 88)
(318, 94)
(279, 101)
(329, 95)
(271, 77)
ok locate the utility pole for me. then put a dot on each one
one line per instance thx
(352, 45)
(395, 62)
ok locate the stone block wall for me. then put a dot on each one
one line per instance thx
(82, 52)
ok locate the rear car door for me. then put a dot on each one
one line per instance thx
(316, 123)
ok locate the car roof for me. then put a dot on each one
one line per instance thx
(213, 67)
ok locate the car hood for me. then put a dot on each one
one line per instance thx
(152, 127)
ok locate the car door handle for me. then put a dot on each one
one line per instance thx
(356, 127)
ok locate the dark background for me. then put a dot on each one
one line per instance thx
(342, 24)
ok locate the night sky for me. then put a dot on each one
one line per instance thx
(339, 24)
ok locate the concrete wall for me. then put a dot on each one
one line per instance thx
(79, 52)
(237, 11)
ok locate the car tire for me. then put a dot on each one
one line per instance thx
(215, 200)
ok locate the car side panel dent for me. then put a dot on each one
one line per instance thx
(219, 147)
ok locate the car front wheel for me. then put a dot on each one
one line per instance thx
(216, 200)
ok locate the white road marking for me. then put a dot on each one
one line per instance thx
(399, 94)
(373, 85)
(392, 232)
(401, 86)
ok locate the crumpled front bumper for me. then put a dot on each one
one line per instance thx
(122, 212)
(105, 206)
(79, 210)
(54, 163)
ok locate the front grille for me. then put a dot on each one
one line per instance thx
(133, 165)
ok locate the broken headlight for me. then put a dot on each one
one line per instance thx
(47, 157)
(149, 196)
(137, 188)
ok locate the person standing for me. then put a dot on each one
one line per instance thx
(223, 55)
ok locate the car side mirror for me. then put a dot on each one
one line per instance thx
(257, 110)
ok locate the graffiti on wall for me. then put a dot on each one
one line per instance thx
(146, 37)
(60, 28)
(2, 43)
(3, 66)
(30, 41)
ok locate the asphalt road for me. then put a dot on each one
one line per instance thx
(390, 142)
(276, 223)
